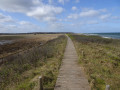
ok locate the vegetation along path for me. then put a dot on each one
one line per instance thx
(71, 75)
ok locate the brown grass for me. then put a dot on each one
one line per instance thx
(23, 42)
(100, 58)
(21, 71)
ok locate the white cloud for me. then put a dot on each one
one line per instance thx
(77, 1)
(24, 23)
(74, 8)
(12, 26)
(61, 1)
(60, 27)
(115, 17)
(92, 22)
(89, 13)
(18, 5)
(19, 27)
(106, 16)
(50, 19)
(33, 8)
(9, 25)
(50, 1)
(73, 16)
(103, 10)
(46, 13)
(56, 25)
(84, 23)
(5, 19)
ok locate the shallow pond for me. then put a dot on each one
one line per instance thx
(3, 42)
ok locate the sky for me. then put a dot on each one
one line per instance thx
(79, 16)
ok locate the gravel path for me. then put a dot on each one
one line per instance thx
(71, 75)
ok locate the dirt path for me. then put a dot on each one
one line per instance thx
(71, 75)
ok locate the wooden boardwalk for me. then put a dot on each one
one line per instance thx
(71, 75)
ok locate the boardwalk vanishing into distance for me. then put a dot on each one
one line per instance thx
(71, 75)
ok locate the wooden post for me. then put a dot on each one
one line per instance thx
(107, 87)
(83, 53)
(40, 83)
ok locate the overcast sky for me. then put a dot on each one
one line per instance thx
(81, 16)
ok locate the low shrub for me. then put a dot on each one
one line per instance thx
(12, 71)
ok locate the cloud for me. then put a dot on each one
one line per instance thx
(32, 8)
(74, 8)
(73, 16)
(82, 23)
(89, 13)
(92, 22)
(18, 5)
(19, 27)
(45, 13)
(12, 26)
(50, 1)
(77, 1)
(56, 25)
(24, 23)
(115, 17)
(9, 25)
(60, 27)
(104, 17)
(6, 19)
(61, 1)
(103, 10)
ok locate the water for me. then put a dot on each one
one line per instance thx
(3, 42)
(107, 35)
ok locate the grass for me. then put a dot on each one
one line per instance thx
(23, 42)
(10, 37)
(100, 58)
(21, 71)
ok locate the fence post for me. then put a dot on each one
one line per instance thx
(40, 83)
(107, 87)
(83, 53)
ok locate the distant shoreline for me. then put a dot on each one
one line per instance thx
(106, 35)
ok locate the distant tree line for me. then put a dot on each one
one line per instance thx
(37, 33)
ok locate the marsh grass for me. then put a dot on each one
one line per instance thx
(23, 42)
(21, 72)
(100, 58)
(9, 37)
